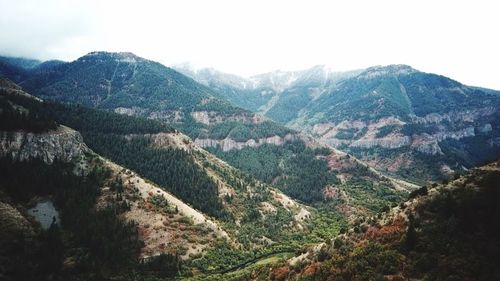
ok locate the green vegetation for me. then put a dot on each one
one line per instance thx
(351, 133)
(84, 235)
(25, 115)
(373, 195)
(326, 224)
(239, 131)
(99, 121)
(356, 99)
(301, 173)
(173, 169)
(162, 204)
(289, 104)
(386, 130)
(292, 167)
(451, 235)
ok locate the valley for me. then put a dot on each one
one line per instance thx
(284, 175)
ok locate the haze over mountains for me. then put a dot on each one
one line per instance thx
(210, 175)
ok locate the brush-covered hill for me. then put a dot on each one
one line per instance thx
(443, 232)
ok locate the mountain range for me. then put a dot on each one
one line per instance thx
(204, 175)
(393, 117)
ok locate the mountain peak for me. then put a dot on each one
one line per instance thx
(118, 56)
(393, 69)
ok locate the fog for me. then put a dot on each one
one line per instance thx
(453, 38)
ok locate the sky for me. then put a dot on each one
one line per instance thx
(458, 39)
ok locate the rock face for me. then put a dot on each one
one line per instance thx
(213, 117)
(172, 116)
(63, 144)
(454, 116)
(230, 144)
(436, 128)
(391, 142)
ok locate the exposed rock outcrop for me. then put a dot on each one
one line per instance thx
(454, 116)
(213, 117)
(390, 142)
(63, 144)
(230, 144)
(437, 126)
(172, 116)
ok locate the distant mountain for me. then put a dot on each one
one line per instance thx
(279, 95)
(113, 80)
(407, 122)
(401, 121)
(127, 84)
(23, 63)
(16, 69)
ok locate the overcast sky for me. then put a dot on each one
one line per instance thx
(459, 39)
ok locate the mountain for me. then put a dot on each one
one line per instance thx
(130, 85)
(47, 168)
(443, 232)
(193, 186)
(279, 95)
(222, 211)
(127, 84)
(43, 165)
(16, 69)
(397, 118)
(393, 117)
(22, 63)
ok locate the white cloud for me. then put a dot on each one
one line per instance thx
(453, 38)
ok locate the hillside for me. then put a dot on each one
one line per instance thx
(444, 232)
(397, 118)
(144, 202)
(394, 117)
(127, 84)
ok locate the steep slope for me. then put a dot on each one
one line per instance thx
(44, 164)
(446, 231)
(127, 84)
(59, 149)
(319, 175)
(396, 118)
(166, 157)
(247, 216)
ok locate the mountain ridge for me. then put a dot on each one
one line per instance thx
(390, 109)
(219, 125)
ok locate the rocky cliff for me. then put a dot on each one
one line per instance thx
(230, 144)
(63, 144)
